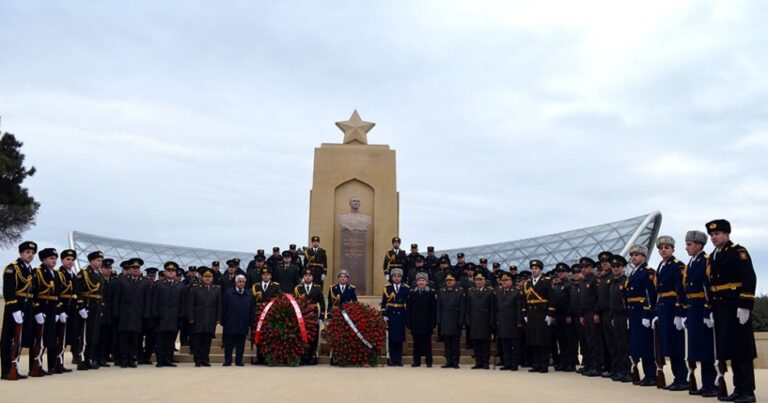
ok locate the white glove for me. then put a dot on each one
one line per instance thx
(18, 317)
(549, 320)
(743, 315)
(710, 321)
(83, 313)
(646, 322)
(386, 277)
(526, 319)
(627, 323)
(684, 322)
(678, 321)
(322, 277)
(39, 318)
(654, 322)
(63, 317)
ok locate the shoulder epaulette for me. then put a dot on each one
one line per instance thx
(351, 286)
(407, 286)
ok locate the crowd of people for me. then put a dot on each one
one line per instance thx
(614, 319)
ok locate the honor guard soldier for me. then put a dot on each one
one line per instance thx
(581, 333)
(539, 316)
(509, 321)
(313, 294)
(147, 335)
(410, 264)
(107, 323)
(393, 302)
(604, 276)
(17, 278)
(565, 331)
(341, 292)
(450, 317)
(46, 309)
(316, 259)
(287, 274)
(732, 282)
(618, 319)
(394, 259)
(641, 300)
(169, 300)
(129, 299)
(480, 317)
(698, 313)
(66, 277)
(253, 275)
(589, 319)
(670, 310)
(204, 313)
(421, 319)
(263, 292)
(89, 288)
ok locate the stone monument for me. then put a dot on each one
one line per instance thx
(354, 205)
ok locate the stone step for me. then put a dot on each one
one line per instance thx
(325, 360)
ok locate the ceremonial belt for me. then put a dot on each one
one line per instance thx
(724, 287)
(395, 265)
(636, 299)
(541, 301)
(395, 305)
(696, 295)
(67, 296)
(668, 294)
(48, 297)
(23, 294)
(315, 264)
(94, 296)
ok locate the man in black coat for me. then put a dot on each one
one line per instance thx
(129, 299)
(147, 336)
(236, 317)
(539, 317)
(565, 331)
(589, 319)
(313, 293)
(287, 274)
(509, 320)
(203, 313)
(480, 317)
(421, 319)
(168, 302)
(106, 333)
(450, 311)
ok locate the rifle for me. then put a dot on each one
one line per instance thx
(36, 365)
(692, 385)
(635, 372)
(61, 330)
(81, 344)
(720, 365)
(661, 380)
(13, 372)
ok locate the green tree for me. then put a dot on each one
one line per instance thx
(17, 208)
(760, 314)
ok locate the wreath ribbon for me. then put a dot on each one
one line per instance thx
(299, 318)
(354, 329)
(261, 320)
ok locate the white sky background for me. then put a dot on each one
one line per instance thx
(194, 124)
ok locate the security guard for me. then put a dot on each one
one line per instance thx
(394, 259)
(617, 317)
(732, 282)
(341, 292)
(393, 308)
(316, 259)
(89, 288)
(589, 319)
(46, 309)
(641, 300)
(313, 294)
(481, 311)
(565, 330)
(450, 318)
(17, 316)
(539, 317)
(670, 310)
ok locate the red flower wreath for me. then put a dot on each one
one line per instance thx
(350, 348)
(280, 337)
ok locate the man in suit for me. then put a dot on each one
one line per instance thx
(236, 318)
(313, 294)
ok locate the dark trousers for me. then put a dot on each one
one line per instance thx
(482, 348)
(743, 376)
(540, 359)
(184, 335)
(708, 376)
(608, 342)
(395, 352)
(236, 342)
(129, 345)
(106, 343)
(452, 347)
(595, 343)
(565, 335)
(467, 340)
(147, 341)
(620, 349)
(649, 368)
(422, 347)
(509, 353)
(201, 347)
(166, 343)
(92, 331)
(116, 357)
(583, 345)
(679, 370)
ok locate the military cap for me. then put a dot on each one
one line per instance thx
(151, 270)
(718, 225)
(444, 260)
(265, 270)
(292, 246)
(124, 264)
(459, 255)
(398, 272)
(505, 276)
(135, 262)
(537, 263)
(232, 263)
(561, 267)
(483, 260)
(192, 268)
(604, 256)
(586, 262)
(512, 267)
(205, 271)
(496, 265)
(28, 245)
(107, 263)
(449, 276)
(47, 252)
(307, 271)
(665, 240)
(276, 249)
(414, 246)
(216, 263)
(696, 236)
(618, 261)
(471, 266)
(637, 248)
(260, 252)
(423, 275)
(171, 266)
(287, 253)
(525, 274)
(315, 238)
(396, 239)
(68, 253)
(95, 255)
(576, 268)
(259, 258)
(344, 272)
(479, 275)
(430, 248)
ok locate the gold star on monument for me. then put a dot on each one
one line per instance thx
(355, 129)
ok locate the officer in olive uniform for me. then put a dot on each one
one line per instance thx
(168, 302)
(450, 312)
(287, 275)
(129, 300)
(147, 343)
(670, 310)
(393, 308)
(341, 292)
(589, 319)
(17, 318)
(732, 282)
(394, 259)
(698, 313)
(90, 288)
(313, 294)
(640, 293)
(46, 309)
(203, 313)
(316, 259)
(565, 330)
(509, 320)
(539, 317)
(481, 317)
(618, 318)
(603, 290)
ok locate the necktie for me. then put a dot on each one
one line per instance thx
(342, 289)
(307, 288)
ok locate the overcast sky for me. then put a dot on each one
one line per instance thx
(194, 123)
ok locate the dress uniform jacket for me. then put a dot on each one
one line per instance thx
(671, 303)
(337, 298)
(45, 290)
(617, 303)
(317, 260)
(393, 305)
(696, 283)
(538, 306)
(421, 310)
(732, 282)
(287, 277)
(129, 299)
(262, 295)
(481, 313)
(314, 296)
(204, 308)
(641, 300)
(509, 313)
(90, 289)
(561, 298)
(587, 301)
(169, 300)
(394, 260)
(450, 311)
(69, 303)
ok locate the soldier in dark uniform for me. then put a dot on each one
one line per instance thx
(316, 259)
(581, 334)
(670, 311)
(253, 274)
(483, 268)
(287, 274)
(393, 308)
(168, 302)
(394, 259)
(313, 294)
(263, 292)
(732, 282)
(410, 264)
(274, 260)
(190, 280)
(341, 292)
(450, 315)
(227, 280)
(89, 288)
(416, 269)
(203, 313)
(539, 317)
(147, 336)
(509, 321)
(565, 330)
(66, 276)
(45, 309)
(129, 309)
(17, 278)
(480, 316)
(604, 276)
(296, 257)
(440, 274)
(252, 265)
(432, 262)
(699, 322)
(618, 318)
(497, 272)
(525, 351)
(216, 270)
(421, 319)
(589, 319)
(641, 300)
(106, 331)
(460, 268)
